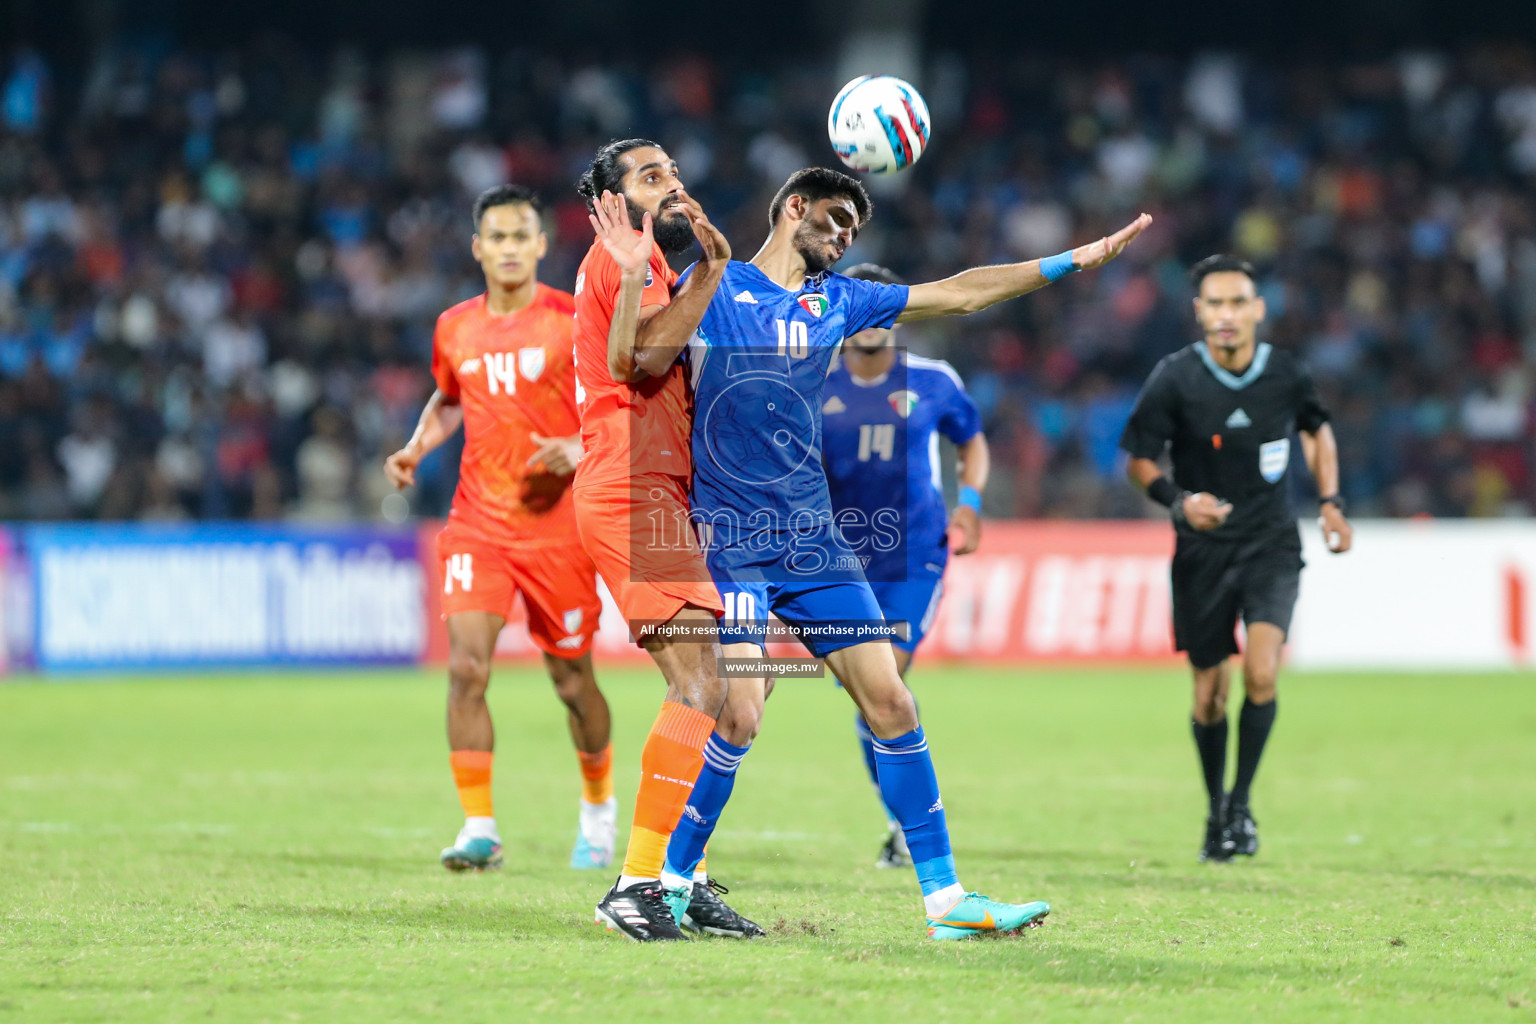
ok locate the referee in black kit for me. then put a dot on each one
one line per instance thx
(1225, 409)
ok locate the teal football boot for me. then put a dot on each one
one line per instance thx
(977, 915)
(478, 853)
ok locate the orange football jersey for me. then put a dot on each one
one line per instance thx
(514, 376)
(642, 427)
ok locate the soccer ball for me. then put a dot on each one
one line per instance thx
(878, 124)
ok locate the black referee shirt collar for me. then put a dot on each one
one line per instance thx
(1226, 376)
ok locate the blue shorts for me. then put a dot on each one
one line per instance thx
(913, 602)
(808, 579)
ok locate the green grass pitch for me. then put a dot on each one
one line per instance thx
(264, 847)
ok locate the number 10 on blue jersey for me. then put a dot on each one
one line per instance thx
(794, 338)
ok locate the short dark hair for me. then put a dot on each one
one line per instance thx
(606, 173)
(873, 272)
(1221, 263)
(816, 183)
(506, 195)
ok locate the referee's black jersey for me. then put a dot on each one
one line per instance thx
(1228, 434)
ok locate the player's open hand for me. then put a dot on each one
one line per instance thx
(1096, 254)
(1337, 533)
(610, 220)
(1205, 511)
(558, 454)
(401, 466)
(964, 530)
(716, 248)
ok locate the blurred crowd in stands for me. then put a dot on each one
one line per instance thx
(219, 272)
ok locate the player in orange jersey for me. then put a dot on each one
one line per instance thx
(503, 366)
(631, 496)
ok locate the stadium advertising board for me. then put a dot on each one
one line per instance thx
(1058, 591)
(1412, 595)
(1034, 591)
(121, 596)
(1433, 594)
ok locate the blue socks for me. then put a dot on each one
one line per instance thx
(716, 780)
(911, 790)
(867, 745)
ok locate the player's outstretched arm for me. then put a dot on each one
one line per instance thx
(662, 337)
(973, 290)
(965, 520)
(440, 417)
(632, 254)
(1321, 449)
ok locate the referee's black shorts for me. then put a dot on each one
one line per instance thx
(1216, 582)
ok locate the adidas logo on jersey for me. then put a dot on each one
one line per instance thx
(834, 404)
(1238, 420)
(747, 297)
(470, 366)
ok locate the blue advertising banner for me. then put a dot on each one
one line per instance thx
(139, 596)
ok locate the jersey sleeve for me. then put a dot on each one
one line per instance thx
(1151, 425)
(961, 419)
(442, 368)
(1310, 411)
(658, 281)
(873, 304)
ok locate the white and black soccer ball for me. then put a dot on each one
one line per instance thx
(878, 124)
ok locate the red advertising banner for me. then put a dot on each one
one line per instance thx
(1035, 591)
(1058, 591)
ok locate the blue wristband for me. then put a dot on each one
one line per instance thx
(970, 497)
(1057, 267)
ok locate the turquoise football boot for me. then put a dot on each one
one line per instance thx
(473, 854)
(977, 915)
(677, 901)
(585, 856)
(596, 835)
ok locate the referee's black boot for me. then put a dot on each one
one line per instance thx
(1214, 832)
(1240, 833)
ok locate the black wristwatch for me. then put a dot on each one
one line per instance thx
(1336, 500)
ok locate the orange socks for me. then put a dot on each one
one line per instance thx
(669, 764)
(596, 775)
(472, 774)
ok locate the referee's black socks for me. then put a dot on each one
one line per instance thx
(1252, 732)
(1211, 741)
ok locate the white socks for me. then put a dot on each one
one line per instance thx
(479, 828)
(598, 822)
(941, 902)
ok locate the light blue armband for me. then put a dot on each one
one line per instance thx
(970, 497)
(1057, 267)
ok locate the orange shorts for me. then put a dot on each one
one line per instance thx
(558, 585)
(644, 547)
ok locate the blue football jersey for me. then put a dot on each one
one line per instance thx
(880, 441)
(758, 364)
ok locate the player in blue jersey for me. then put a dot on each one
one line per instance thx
(758, 364)
(884, 411)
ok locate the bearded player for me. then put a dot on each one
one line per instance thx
(634, 473)
(760, 357)
(502, 363)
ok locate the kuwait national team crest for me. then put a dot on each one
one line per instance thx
(815, 304)
(902, 401)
